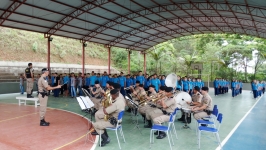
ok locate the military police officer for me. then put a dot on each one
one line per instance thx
(30, 79)
(43, 88)
(118, 105)
(204, 108)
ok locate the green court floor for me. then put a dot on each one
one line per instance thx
(233, 110)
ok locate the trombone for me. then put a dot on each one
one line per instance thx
(128, 88)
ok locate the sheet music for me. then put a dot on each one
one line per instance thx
(89, 101)
(85, 102)
(81, 104)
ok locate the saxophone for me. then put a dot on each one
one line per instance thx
(107, 101)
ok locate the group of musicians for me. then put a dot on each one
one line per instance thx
(154, 107)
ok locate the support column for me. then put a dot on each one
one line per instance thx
(128, 62)
(109, 59)
(144, 69)
(48, 52)
(83, 58)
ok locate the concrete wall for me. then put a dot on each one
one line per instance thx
(12, 87)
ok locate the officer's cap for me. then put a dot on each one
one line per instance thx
(196, 88)
(152, 86)
(45, 69)
(110, 83)
(138, 81)
(97, 82)
(114, 91)
(168, 89)
(205, 88)
(116, 86)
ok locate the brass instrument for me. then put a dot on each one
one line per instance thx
(128, 88)
(107, 101)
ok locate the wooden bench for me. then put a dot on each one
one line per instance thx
(22, 100)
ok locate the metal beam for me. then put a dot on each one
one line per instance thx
(77, 12)
(250, 13)
(12, 8)
(225, 29)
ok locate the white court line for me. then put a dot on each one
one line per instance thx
(237, 125)
(95, 143)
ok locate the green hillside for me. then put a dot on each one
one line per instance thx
(19, 45)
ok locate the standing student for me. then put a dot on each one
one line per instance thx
(162, 80)
(72, 85)
(140, 78)
(146, 82)
(233, 86)
(216, 86)
(105, 78)
(21, 83)
(57, 82)
(66, 84)
(93, 78)
(179, 84)
(115, 79)
(134, 80)
(80, 84)
(122, 82)
(185, 85)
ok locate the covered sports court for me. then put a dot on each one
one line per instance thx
(133, 25)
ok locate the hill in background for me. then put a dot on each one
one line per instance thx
(19, 45)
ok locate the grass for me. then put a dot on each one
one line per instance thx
(19, 45)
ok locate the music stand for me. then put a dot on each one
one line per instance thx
(133, 114)
(85, 104)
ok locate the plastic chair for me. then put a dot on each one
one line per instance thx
(173, 125)
(166, 129)
(118, 127)
(207, 122)
(211, 130)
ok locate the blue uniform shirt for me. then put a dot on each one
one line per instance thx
(185, 85)
(128, 82)
(104, 80)
(179, 85)
(156, 83)
(92, 80)
(233, 84)
(190, 85)
(87, 81)
(140, 79)
(115, 80)
(162, 82)
(134, 81)
(122, 80)
(254, 86)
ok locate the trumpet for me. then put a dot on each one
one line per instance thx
(153, 99)
(128, 88)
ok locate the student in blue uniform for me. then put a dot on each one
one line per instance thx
(110, 78)
(162, 80)
(190, 82)
(122, 82)
(87, 82)
(179, 84)
(134, 79)
(216, 86)
(93, 78)
(140, 78)
(146, 82)
(233, 86)
(155, 82)
(105, 78)
(185, 84)
(254, 86)
(115, 79)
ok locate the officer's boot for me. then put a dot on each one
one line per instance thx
(161, 135)
(108, 139)
(94, 133)
(104, 139)
(129, 109)
(43, 123)
(29, 96)
(144, 118)
(149, 125)
(182, 118)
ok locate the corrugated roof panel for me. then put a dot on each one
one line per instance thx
(81, 24)
(23, 26)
